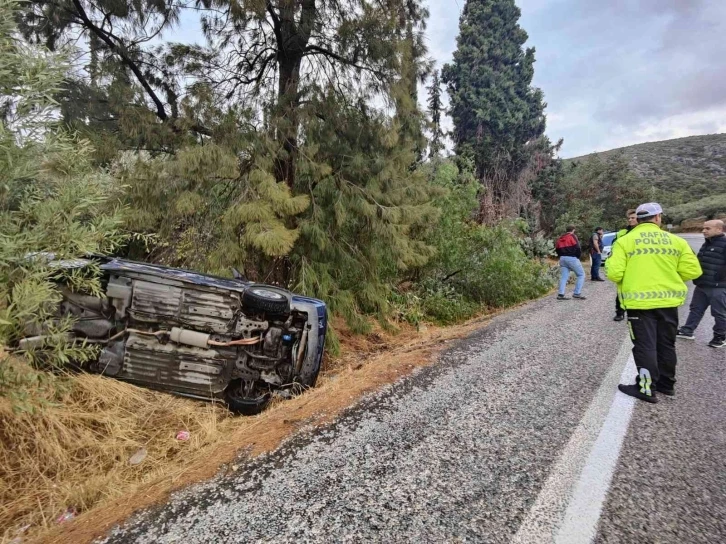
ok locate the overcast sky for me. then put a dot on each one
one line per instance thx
(617, 72)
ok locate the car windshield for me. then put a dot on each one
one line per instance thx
(607, 239)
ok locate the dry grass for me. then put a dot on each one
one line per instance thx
(75, 454)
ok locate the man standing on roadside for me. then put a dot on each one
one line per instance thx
(632, 222)
(650, 267)
(711, 286)
(596, 254)
(569, 251)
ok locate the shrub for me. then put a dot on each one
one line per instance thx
(474, 265)
(445, 306)
(499, 273)
(52, 201)
(712, 206)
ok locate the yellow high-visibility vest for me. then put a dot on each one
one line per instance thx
(651, 267)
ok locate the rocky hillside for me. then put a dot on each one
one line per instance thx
(682, 170)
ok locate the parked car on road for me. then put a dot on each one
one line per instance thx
(607, 245)
(196, 335)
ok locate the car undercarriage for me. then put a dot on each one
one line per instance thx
(196, 335)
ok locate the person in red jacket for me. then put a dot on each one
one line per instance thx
(569, 251)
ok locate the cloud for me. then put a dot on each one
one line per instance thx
(619, 72)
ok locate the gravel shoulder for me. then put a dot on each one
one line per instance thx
(456, 452)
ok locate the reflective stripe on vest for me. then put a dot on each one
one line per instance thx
(645, 295)
(655, 251)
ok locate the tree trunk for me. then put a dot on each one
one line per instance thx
(288, 121)
(292, 40)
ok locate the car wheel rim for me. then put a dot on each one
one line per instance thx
(268, 294)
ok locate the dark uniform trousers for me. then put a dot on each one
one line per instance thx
(654, 343)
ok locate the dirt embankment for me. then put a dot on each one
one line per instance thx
(76, 457)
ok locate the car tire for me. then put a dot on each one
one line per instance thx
(270, 300)
(246, 406)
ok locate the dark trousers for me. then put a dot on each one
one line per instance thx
(703, 297)
(595, 270)
(654, 343)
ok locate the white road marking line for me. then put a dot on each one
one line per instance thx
(608, 413)
(583, 513)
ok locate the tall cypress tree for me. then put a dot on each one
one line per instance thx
(497, 113)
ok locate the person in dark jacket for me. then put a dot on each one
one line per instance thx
(711, 286)
(596, 254)
(569, 251)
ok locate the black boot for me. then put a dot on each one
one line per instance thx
(634, 391)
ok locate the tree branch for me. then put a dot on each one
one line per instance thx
(275, 21)
(449, 276)
(128, 61)
(313, 49)
(117, 48)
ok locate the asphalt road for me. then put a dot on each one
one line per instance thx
(517, 434)
(670, 483)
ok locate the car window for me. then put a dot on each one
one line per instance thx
(607, 239)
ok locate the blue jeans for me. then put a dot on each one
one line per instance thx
(595, 270)
(573, 264)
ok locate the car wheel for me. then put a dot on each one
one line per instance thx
(245, 397)
(264, 298)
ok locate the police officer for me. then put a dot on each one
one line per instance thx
(650, 267)
(632, 222)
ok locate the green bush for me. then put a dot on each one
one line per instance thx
(52, 200)
(711, 206)
(537, 246)
(447, 310)
(499, 273)
(474, 266)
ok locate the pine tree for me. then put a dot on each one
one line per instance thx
(286, 146)
(436, 144)
(370, 205)
(130, 93)
(259, 55)
(214, 216)
(414, 69)
(497, 113)
(368, 212)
